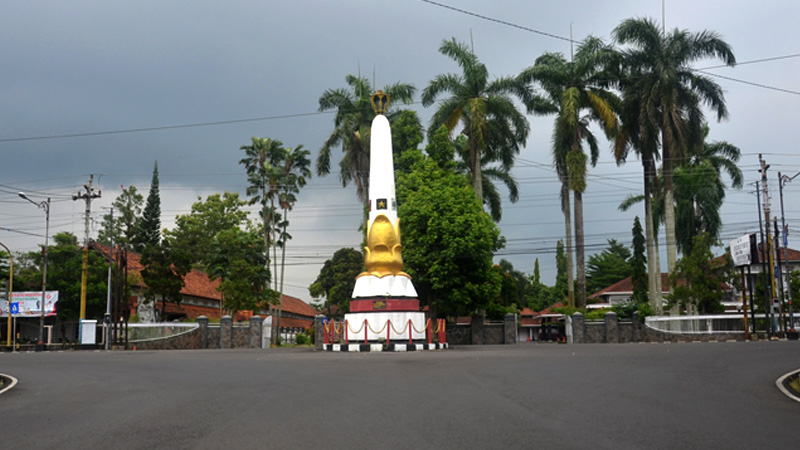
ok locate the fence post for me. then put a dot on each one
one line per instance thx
(578, 328)
(612, 332)
(255, 331)
(635, 327)
(510, 329)
(202, 321)
(319, 331)
(226, 332)
(477, 329)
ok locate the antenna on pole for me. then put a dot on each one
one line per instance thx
(571, 43)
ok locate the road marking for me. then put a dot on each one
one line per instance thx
(783, 389)
(13, 383)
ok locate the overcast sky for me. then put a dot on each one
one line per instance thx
(91, 67)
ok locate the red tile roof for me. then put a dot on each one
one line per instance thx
(197, 284)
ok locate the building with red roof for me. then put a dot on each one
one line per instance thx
(201, 298)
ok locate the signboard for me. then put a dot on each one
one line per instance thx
(740, 251)
(27, 304)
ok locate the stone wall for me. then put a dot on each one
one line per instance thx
(480, 332)
(224, 335)
(612, 330)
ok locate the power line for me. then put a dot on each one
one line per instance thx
(562, 38)
(162, 128)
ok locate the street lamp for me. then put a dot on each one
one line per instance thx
(45, 205)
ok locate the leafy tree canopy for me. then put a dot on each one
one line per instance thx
(608, 267)
(337, 279)
(448, 240)
(238, 259)
(694, 281)
(194, 232)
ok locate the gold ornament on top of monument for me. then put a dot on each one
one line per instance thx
(380, 102)
(384, 250)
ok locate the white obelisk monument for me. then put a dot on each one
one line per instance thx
(384, 293)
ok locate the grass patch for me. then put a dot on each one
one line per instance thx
(794, 384)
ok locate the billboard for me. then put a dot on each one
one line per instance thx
(28, 304)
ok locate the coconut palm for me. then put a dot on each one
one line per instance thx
(262, 157)
(699, 191)
(575, 93)
(495, 129)
(352, 122)
(491, 174)
(656, 64)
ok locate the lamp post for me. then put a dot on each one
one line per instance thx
(45, 205)
(10, 292)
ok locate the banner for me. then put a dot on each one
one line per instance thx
(28, 304)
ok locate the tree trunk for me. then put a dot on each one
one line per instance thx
(653, 265)
(565, 208)
(580, 254)
(669, 208)
(477, 177)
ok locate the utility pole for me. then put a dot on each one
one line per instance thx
(782, 180)
(87, 196)
(762, 257)
(107, 317)
(768, 242)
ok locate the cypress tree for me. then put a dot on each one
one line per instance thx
(149, 229)
(638, 263)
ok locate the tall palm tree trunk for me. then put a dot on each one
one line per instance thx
(669, 212)
(653, 265)
(580, 253)
(477, 177)
(565, 208)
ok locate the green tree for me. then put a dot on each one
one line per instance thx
(448, 240)
(576, 96)
(608, 267)
(64, 266)
(495, 129)
(700, 190)
(407, 131)
(559, 291)
(537, 294)
(638, 263)
(127, 211)
(668, 91)
(261, 164)
(194, 232)
(694, 284)
(164, 264)
(237, 258)
(352, 124)
(337, 279)
(148, 229)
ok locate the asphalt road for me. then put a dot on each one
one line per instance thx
(636, 396)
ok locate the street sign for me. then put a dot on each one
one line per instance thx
(15, 308)
(740, 251)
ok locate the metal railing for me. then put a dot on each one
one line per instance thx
(711, 324)
(143, 332)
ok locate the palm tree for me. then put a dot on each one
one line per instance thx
(295, 170)
(352, 122)
(573, 87)
(490, 175)
(262, 157)
(495, 129)
(632, 137)
(699, 191)
(656, 65)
